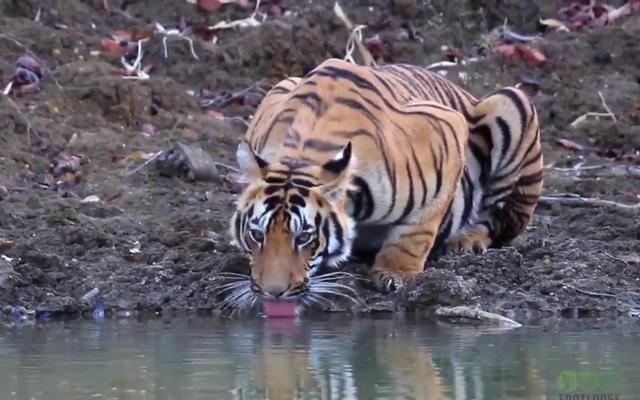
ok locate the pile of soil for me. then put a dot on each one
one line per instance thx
(152, 243)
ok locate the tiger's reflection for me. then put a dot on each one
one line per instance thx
(290, 362)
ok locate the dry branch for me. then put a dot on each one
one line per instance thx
(572, 199)
(588, 293)
(599, 171)
(584, 117)
(355, 38)
(475, 314)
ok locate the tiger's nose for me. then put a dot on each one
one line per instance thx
(270, 289)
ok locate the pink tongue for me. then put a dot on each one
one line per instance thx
(280, 308)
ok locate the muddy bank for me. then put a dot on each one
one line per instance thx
(152, 243)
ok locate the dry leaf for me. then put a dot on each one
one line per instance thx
(91, 199)
(209, 5)
(121, 36)
(554, 24)
(112, 47)
(530, 56)
(570, 144)
(138, 155)
(633, 258)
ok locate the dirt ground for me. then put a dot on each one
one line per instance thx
(152, 243)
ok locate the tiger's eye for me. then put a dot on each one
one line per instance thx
(257, 235)
(303, 238)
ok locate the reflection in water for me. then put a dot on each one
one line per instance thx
(336, 357)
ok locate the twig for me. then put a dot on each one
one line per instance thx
(174, 32)
(226, 166)
(136, 66)
(355, 38)
(145, 163)
(608, 170)
(588, 293)
(476, 314)
(250, 21)
(584, 116)
(611, 256)
(571, 199)
(606, 107)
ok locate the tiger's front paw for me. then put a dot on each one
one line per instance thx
(473, 242)
(385, 281)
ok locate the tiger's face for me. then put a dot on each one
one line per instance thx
(290, 220)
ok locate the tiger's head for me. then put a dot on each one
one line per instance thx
(291, 219)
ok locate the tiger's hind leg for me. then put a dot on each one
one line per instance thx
(504, 161)
(430, 188)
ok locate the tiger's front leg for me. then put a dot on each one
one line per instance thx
(404, 253)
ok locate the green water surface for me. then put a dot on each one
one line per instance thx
(332, 357)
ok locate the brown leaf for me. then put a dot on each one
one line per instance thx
(530, 56)
(210, 6)
(377, 46)
(121, 36)
(31, 64)
(66, 163)
(633, 258)
(140, 34)
(112, 47)
(148, 130)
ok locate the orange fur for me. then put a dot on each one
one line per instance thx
(384, 146)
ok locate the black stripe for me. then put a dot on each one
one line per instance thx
(303, 182)
(311, 100)
(275, 180)
(321, 145)
(297, 200)
(272, 202)
(339, 234)
(531, 179)
(404, 250)
(482, 159)
(506, 138)
(517, 102)
(269, 190)
(366, 203)
(467, 190)
(438, 168)
(356, 105)
(387, 86)
(528, 199)
(337, 73)
(409, 206)
(533, 159)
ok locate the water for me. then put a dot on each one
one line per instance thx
(333, 357)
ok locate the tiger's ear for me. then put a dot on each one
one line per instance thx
(336, 173)
(251, 165)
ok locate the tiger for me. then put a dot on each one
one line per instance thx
(395, 162)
